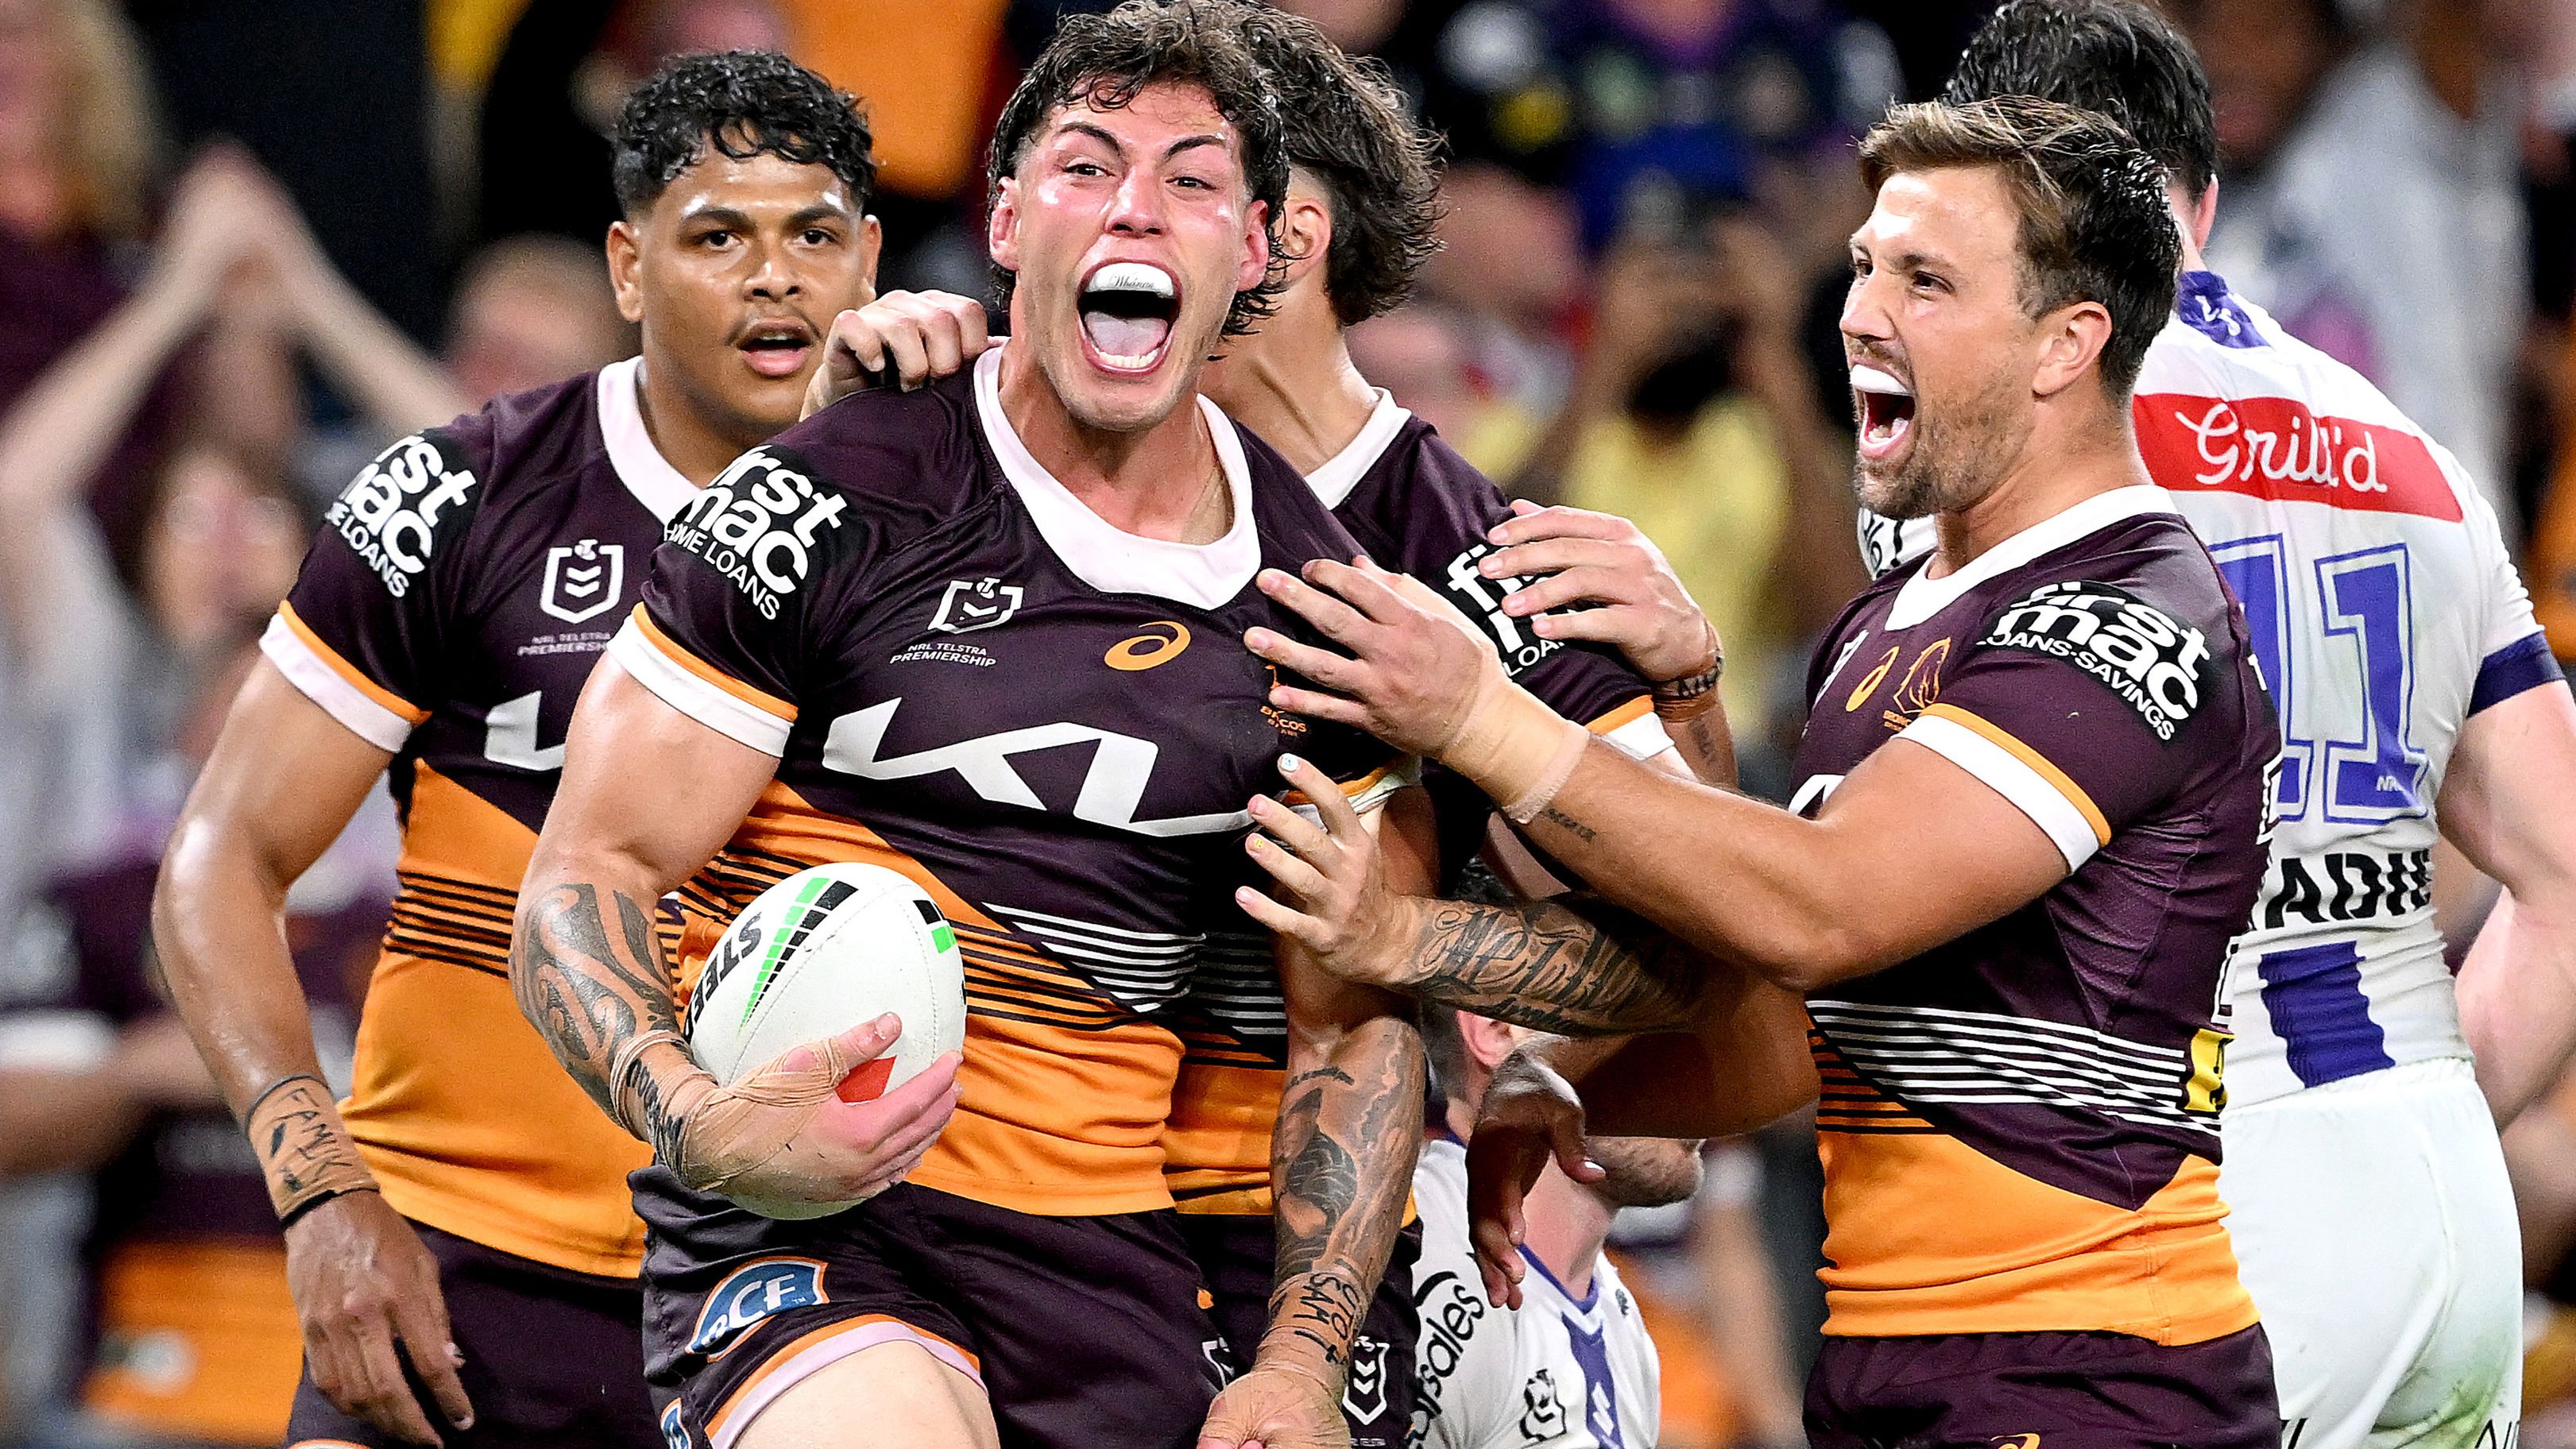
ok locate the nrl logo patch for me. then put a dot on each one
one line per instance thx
(583, 580)
(1365, 1397)
(972, 604)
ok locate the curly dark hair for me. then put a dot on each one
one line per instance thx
(1348, 127)
(745, 103)
(2114, 56)
(2094, 223)
(1105, 61)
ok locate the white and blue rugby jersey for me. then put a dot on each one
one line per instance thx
(2384, 611)
(1559, 1372)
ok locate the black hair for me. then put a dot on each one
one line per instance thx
(1348, 127)
(2118, 57)
(1106, 61)
(2094, 222)
(744, 103)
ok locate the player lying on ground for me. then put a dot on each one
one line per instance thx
(2027, 821)
(895, 615)
(473, 1205)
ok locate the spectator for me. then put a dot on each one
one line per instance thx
(192, 1338)
(531, 310)
(1510, 264)
(1692, 416)
(2374, 212)
(1422, 353)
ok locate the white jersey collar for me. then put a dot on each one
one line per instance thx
(1339, 474)
(661, 488)
(1108, 558)
(1923, 596)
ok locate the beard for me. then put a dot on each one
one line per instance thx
(1644, 1171)
(1949, 463)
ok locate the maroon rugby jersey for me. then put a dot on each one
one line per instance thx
(1416, 507)
(450, 610)
(2020, 1127)
(970, 677)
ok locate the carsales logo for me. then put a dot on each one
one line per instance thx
(2275, 448)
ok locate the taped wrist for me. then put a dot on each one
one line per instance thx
(1516, 749)
(305, 1152)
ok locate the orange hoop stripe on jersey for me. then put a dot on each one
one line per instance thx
(1629, 713)
(799, 1358)
(2039, 764)
(663, 644)
(383, 698)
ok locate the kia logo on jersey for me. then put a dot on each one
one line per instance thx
(583, 580)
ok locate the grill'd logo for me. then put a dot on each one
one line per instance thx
(2151, 662)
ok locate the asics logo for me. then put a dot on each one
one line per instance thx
(1144, 651)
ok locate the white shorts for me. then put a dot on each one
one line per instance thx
(2375, 1229)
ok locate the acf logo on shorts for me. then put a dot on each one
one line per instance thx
(751, 1293)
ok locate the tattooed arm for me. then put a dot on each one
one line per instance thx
(588, 970)
(1350, 1127)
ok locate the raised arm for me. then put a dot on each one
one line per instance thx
(1909, 851)
(1350, 1127)
(589, 971)
(2503, 804)
(283, 781)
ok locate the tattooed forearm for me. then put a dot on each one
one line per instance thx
(1341, 1165)
(586, 996)
(1567, 823)
(1540, 964)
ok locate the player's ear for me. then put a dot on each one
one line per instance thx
(2071, 339)
(624, 259)
(1002, 229)
(871, 246)
(1255, 262)
(1305, 235)
(2204, 215)
(1488, 1041)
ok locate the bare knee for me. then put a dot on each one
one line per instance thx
(886, 1396)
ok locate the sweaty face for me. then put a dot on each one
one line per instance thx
(739, 268)
(1128, 232)
(1644, 1171)
(1941, 351)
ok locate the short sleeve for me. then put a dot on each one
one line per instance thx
(1432, 525)
(736, 618)
(2086, 706)
(363, 633)
(2513, 653)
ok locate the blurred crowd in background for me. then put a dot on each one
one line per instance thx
(243, 243)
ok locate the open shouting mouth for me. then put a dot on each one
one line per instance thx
(1885, 407)
(1127, 311)
(776, 346)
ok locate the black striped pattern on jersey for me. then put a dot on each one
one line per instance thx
(1233, 1013)
(1848, 1102)
(440, 918)
(1942, 1056)
(1007, 977)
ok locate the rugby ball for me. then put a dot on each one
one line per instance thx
(818, 953)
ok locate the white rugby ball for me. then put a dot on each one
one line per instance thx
(818, 953)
